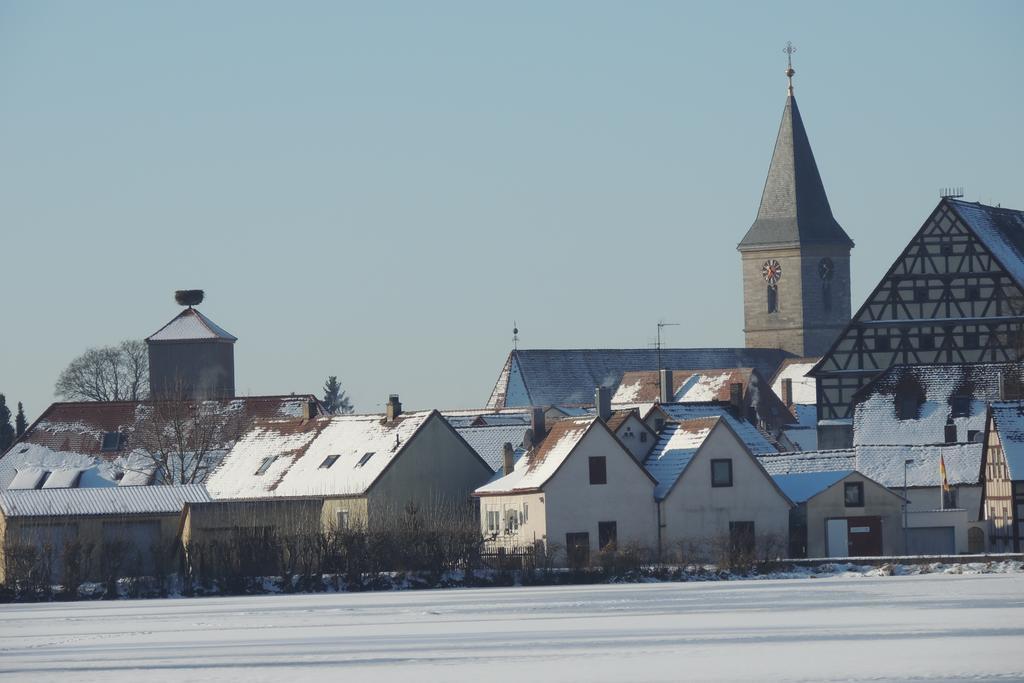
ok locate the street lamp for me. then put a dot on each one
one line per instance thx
(906, 463)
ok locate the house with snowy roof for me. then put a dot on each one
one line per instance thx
(952, 296)
(712, 489)
(367, 468)
(841, 513)
(744, 389)
(576, 491)
(1002, 469)
(58, 530)
(107, 444)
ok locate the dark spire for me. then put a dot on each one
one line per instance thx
(794, 207)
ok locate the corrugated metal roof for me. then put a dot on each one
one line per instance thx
(111, 500)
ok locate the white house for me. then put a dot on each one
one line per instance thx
(576, 491)
(712, 489)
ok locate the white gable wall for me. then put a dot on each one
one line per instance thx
(635, 436)
(573, 505)
(695, 512)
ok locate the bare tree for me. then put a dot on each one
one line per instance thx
(109, 373)
(181, 440)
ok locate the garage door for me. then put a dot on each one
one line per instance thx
(933, 540)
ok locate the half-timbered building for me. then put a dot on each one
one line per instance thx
(954, 295)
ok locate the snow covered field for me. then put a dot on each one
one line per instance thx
(928, 627)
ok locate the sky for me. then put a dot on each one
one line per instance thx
(378, 190)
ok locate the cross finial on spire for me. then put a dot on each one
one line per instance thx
(789, 50)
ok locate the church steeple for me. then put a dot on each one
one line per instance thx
(794, 207)
(796, 256)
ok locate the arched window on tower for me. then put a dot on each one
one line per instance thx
(773, 299)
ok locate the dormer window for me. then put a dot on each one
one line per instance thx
(961, 406)
(112, 442)
(909, 400)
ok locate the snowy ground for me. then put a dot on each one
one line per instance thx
(927, 627)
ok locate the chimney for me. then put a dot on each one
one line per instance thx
(603, 402)
(787, 391)
(394, 407)
(309, 410)
(950, 431)
(666, 394)
(528, 439)
(537, 425)
(509, 458)
(736, 397)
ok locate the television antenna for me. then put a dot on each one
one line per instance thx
(661, 324)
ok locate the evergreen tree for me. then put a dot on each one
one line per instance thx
(6, 428)
(335, 400)
(20, 423)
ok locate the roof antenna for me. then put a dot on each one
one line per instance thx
(789, 50)
(951, 192)
(515, 336)
(188, 297)
(657, 345)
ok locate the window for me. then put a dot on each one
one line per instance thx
(853, 494)
(598, 470)
(972, 340)
(721, 473)
(43, 478)
(342, 519)
(526, 512)
(365, 459)
(659, 424)
(946, 247)
(643, 437)
(493, 521)
(961, 405)
(773, 299)
(909, 398)
(973, 292)
(511, 521)
(607, 534)
(921, 293)
(927, 342)
(882, 343)
(328, 461)
(112, 441)
(265, 465)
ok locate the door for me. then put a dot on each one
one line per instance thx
(865, 536)
(577, 549)
(836, 538)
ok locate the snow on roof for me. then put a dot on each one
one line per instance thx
(803, 486)
(1000, 230)
(809, 461)
(676, 446)
(543, 377)
(489, 442)
(755, 440)
(100, 501)
(285, 457)
(804, 387)
(687, 385)
(191, 325)
(70, 436)
(1009, 424)
(884, 464)
(875, 421)
(534, 469)
(481, 417)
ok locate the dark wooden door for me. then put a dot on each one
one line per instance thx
(865, 536)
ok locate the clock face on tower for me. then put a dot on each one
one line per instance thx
(826, 269)
(771, 271)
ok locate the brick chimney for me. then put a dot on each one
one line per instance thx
(787, 391)
(393, 408)
(508, 459)
(736, 397)
(666, 395)
(603, 402)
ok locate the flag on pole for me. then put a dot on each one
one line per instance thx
(946, 491)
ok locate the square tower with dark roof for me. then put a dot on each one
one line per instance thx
(192, 357)
(796, 256)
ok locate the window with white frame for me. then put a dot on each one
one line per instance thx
(342, 518)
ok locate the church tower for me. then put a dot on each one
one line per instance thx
(796, 257)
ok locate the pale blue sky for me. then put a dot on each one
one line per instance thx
(377, 190)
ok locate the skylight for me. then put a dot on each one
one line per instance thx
(328, 461)
(366, 458)
(265, 465)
